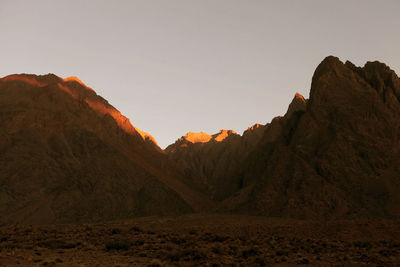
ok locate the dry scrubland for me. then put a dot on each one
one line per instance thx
(210, 240)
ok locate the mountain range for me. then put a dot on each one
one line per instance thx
(67, 155)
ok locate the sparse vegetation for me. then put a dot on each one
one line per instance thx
(262, 243)
(57, 244)
(118, 244)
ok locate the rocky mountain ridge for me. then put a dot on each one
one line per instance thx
(67, 155)
(334, 155)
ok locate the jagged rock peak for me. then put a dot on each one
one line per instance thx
(299, 103)
(254, 126)
(223, 134)
(299, 97)
(381, 76)
(327, 65)
(333, 80)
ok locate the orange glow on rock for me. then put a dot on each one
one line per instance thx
(299, 96)
(24, 79)
(253, 127)
(197, 137)
(74, 79)
(67, 90)
(103, 109)
(223, 134)
(202, 137)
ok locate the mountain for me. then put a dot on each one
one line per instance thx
(67, 155)
(213, 158)
(334, 155)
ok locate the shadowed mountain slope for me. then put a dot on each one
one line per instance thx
(213, 159)
(66, 155)
(335, 155)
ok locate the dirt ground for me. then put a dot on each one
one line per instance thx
(209, 240)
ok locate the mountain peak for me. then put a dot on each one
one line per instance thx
(223, 134)
(78, 90)
(298, 104)
(253, 127)
(299, 97)
(200, 137)
(329, 64)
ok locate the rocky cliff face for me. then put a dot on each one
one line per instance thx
(335, 155)
(66, 155)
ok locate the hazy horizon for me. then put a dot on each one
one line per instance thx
(177, 66)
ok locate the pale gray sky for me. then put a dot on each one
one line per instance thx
(174, 66)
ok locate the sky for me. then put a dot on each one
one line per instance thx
(174, 66)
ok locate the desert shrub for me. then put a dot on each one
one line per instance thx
(219, 238)
(155, 263)
(281, 253)
(192, 232)
(217, 250)
(249, 252)
(136, 229)
(385, 252)
(118, 244)
(358, 244)
(57, 244)
(198, 255)
(177, 255)
(303, 261)
(139, 242)
(115, 231)
(177, 240)
(260, 262)
(194, 255)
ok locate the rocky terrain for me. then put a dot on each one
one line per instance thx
(66, 155)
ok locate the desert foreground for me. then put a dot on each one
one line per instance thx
(206, 240)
